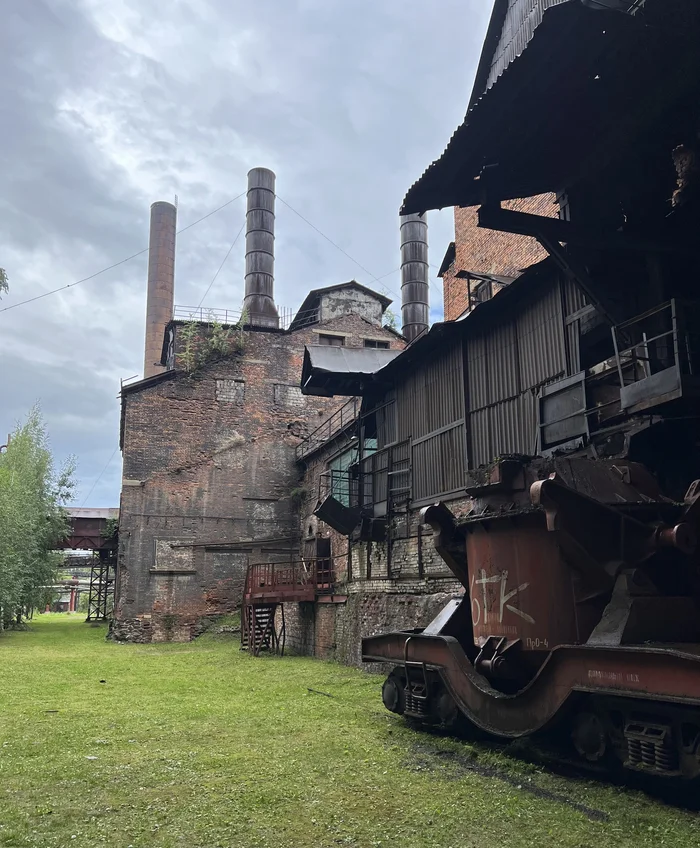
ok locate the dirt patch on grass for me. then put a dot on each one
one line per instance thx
(453, 765)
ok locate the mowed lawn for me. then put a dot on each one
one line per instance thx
(202, 745)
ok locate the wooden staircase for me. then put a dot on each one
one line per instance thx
(259, 629)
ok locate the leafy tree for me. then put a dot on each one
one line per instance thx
(32, 518)
(3, 281)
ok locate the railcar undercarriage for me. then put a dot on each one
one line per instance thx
(580, 609)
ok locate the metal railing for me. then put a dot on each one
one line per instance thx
(290, 578)
(667, 335)
(209, 315)
(334, 424)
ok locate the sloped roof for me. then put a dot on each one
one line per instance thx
(311, 302)
(556, 82)
(345, 369)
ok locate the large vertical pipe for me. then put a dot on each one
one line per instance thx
(415, 286)
(259, 301)
(161, 283)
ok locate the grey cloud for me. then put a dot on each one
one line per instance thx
(111, 106)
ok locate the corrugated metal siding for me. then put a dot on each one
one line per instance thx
(521, 20)
(433, 396)
(574, 297)
(439, 464)
(573, 335)
(478, 372)
(480, 433)
(502, 353)
(541, 340)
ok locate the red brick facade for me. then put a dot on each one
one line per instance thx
(488, 252)
(210, 473)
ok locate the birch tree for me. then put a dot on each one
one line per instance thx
(32, 518)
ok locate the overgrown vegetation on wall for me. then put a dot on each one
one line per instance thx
(202, 343)
(32, 518)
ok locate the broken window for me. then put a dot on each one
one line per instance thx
(333, 341)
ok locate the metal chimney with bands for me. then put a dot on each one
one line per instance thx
(161, 283)
(258, 303)
(415, 286)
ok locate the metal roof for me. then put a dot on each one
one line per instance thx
(557, 85)
(329, 370)
(93, 512)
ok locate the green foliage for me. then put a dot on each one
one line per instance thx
(298, 495)
(32, 518)
(390, 319)
(111, 528)
(202, 343)
(202, 746)
(3, 281)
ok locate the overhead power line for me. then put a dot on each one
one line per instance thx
(121, 261)
(92, 488)
(228, 253)
(338, 247)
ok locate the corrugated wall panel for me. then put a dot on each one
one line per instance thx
(433, 396)
(502, 353)
(480, 437)
(439, 464)
(574, 298)
(541, 340)
(477, 369)
(573, 334)
(504, 428)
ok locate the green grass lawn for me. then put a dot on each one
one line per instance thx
(201, 745)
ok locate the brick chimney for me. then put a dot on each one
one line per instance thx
(161, 283)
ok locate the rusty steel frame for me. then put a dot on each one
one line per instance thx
(646, 673)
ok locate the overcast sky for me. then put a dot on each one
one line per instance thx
(109, 105)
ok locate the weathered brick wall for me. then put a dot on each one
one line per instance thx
(209, 460)
(490, 252)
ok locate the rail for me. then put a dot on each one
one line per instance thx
(299, 580)
(334, 424)
(208, 315)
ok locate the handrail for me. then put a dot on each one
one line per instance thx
(334, 424)
(316, 573)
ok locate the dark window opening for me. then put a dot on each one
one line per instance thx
(333, 341)
(376, 344)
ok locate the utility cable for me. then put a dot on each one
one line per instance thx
(338, 247)
(121, 261)
(92, 489)
(233, 244)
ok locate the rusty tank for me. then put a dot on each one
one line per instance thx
(579, 610)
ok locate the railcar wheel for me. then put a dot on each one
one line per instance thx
(393, 696)
(589, 736)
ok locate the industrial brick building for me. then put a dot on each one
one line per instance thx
(209, 436)
(480, 262)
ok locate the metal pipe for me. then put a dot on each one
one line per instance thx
(160, 296)
(258, 304)
(415, 286)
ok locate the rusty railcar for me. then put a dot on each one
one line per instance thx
(567, 408)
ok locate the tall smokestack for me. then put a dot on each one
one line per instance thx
(258, 303)
(161, 283)
(415, 287)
